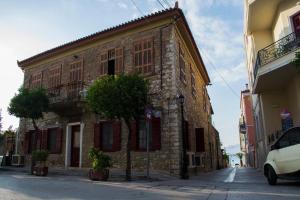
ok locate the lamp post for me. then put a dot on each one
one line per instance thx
(183, 167)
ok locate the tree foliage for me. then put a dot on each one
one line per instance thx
(296, 61)
(122, 97)
(119, 97)
(29, 103)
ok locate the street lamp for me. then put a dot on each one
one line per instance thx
(183, 168)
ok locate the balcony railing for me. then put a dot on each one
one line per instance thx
(276, 50)
(66, 92)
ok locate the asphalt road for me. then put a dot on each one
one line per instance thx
(229, 184)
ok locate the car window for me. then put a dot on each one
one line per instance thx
(284, 141)
(294, 137)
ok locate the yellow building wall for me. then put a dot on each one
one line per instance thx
(283, 24)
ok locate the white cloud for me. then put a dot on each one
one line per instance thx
(217, 38)
(231, 75)
(122, 5)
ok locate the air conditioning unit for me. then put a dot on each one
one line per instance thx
(17, 160)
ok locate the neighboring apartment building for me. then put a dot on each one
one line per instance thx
(247, 129)
(272, 31)
(161, 48)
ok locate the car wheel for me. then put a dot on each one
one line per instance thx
(271, 176)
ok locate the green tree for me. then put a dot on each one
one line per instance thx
(121, 97)
(240, 156)
(296, 61)
(30, 104)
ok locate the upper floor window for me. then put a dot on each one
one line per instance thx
(182, 74)
(54, 81)
(204, 96)
(193, 83)
(296, 22)
(75, 79)
(143, 55)
(111, 61)
(36, 80)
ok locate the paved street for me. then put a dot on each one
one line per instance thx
(230, 184)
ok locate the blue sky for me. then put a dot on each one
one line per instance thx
(32, 26)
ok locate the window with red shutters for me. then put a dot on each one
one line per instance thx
(200, 144)
(36, 80)
(54, 81)
(45, 139)
(53, 140)
(182, 74)
(117, 135)
(193, 83)
(107, 136)
(103, 63)
(140, 136)
(204, 97)
(143, 56)
(119, 61)
(296, 22)
(156, 133)
(134, 137)
(76, 79)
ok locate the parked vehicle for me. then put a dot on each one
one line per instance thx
(283, 161)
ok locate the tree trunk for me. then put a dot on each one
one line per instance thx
(128, 153)
(33, 147)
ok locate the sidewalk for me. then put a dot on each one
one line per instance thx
(115, 174)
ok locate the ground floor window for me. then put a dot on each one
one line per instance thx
(107, 136)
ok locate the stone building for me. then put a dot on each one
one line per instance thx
(161, 48)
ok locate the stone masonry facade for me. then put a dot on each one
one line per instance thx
(165, 81)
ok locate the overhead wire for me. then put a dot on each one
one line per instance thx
(135, 5)
(221, 76)
(161, 4)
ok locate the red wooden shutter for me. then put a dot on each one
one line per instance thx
(36, 80)
(103, 63)
(116, 136)
(44, 140)
(97, 136)
(27, 142)
(186, 135)
(38, 139)
(156, 134)
(119, 61)
(200, 144)
(59, 132)
(296, 21)
(75, 79)
(133, 142)
(54, 81)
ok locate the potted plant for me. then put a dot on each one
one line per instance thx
(40, 157)
(100, 165)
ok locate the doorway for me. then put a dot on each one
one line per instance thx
(296, 23)
(75, 145)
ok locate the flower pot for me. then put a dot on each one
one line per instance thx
(40, 170)
(99, 175)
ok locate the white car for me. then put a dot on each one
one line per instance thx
(283, 161)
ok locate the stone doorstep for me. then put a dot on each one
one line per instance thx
(115, 174)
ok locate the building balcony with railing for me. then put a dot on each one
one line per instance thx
(273, 67)
(67, 98)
